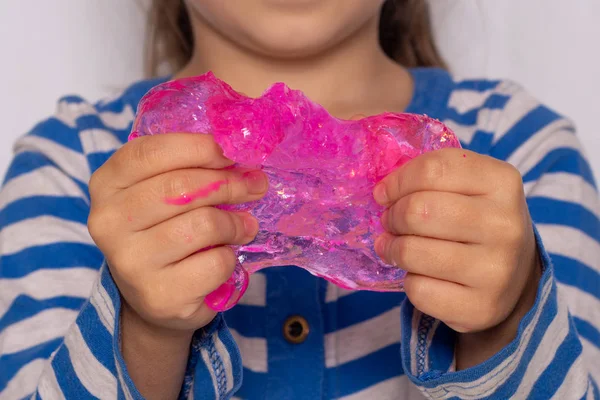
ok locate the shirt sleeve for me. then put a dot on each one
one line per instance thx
(556, 350)
(59, 306)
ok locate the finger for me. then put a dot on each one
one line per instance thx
(148, 156)
(446, 216)
(201, 273)
(175, 294)
(167, 195)
(440, 259)
(195, 230)
(461, 308)
(448, 170)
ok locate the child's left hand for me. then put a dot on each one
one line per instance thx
(459, 224)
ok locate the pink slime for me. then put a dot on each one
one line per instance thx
(202, 192)
(319, 213)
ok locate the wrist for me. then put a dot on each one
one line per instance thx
(155, 357)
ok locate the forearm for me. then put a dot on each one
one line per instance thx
(156, 359)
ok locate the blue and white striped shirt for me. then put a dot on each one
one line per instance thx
(59, 307)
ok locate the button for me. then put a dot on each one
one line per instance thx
(296, 329)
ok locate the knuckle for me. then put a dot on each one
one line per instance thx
(95, 184)
(119, 159)
(203, 147)
(230, 192)
(199, 223)
(515, 185)
(230, 227)
(205, 222)
(416, 208)
(177, 184)
(144, 153)
(121, 261)
(94, 223)
(95, 232)
(223, 261)
(101, 222)
(513, 177)
(435, 168)
(136, 201)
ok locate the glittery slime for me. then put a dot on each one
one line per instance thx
(319, 213)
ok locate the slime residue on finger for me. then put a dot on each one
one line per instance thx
(203, 192)
(230, 292)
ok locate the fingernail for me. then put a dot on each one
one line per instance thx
(380, 194)
(256, 182)
(380, 246)
(250, 225)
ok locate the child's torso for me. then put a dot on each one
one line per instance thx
(299, 334)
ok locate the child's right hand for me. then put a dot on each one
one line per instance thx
(151, 244)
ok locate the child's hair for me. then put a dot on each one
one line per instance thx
(405, 35)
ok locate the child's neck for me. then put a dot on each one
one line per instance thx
(350, 78)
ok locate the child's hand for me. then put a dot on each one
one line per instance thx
(151, 235)
(459, 224)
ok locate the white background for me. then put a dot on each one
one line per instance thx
(51, 48)
(94, 48)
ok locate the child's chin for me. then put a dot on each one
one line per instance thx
(289, 42)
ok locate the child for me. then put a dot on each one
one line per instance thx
(494, 308)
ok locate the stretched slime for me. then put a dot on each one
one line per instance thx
(319, 213)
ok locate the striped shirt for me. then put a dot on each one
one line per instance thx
(59, 307)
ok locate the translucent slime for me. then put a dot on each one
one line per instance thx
(319, 213)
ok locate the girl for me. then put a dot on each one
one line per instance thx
(494, 307)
